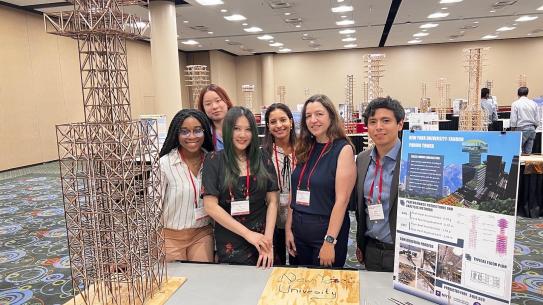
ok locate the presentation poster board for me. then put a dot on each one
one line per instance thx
(303, 286)
(423, 121)
(161, 124)
(456, 216)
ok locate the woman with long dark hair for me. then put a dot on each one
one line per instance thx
(187, 231)
(215, 102)
(317, 226)
(240, 194)
(279, 141)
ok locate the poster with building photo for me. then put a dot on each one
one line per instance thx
(456, 216)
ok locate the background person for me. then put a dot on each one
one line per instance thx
(214, 102)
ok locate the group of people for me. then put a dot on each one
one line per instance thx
(231, 198)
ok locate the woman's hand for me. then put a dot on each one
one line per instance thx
(265, 259)
(261, 243)
(327, 254)
(289, 240)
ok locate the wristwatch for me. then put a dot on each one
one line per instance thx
(330, 239)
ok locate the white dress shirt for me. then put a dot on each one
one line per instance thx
(178, 193)
(524, 114)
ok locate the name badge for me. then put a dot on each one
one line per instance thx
(284, 200)
(375, 212)
(200, 213)
(302, 197)
(240, 207)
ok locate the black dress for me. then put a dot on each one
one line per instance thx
(232, 248)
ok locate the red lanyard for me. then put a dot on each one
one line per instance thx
(214, 138)
(278, 168)
(314, 166)
(247, 184)
(377, 168)
(190, 176)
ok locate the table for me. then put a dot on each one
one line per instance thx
(227, 284)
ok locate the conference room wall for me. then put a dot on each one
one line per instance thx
(40, 87)
(406, 67)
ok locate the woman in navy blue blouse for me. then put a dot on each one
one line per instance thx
(317, 225)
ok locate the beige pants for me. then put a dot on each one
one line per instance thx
(194, 245)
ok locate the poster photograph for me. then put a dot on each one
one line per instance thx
(456, 216)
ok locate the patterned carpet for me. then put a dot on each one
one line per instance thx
(34, 266)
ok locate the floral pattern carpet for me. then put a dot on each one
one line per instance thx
(34, 263)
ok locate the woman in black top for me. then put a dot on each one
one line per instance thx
(240, 193)
(317, 226)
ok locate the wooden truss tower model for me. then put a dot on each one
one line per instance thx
(424, 100)
(522, 81)
(350, 125)
(473, 117)
(444, 90)
(197, 77)
(248, 95)
(109, 164)
(281, 93)
(375, 69)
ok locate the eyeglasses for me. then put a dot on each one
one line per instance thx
(197, 132)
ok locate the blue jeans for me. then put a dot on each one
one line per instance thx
(528, 137)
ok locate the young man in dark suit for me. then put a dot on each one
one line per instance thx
(377, 185)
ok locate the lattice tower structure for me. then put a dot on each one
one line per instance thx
(197, 77)
(350, 126)
(444, 89)
(473, 117)
(281, 92)
(109, 165)
(424, 100)
(374, 65)
(522, 81)
(307, 93)
(248, 95)
(489, 84)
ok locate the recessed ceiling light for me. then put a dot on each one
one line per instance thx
(526, 18)
(345, 22)
(199, 46)
(190, 42)
(347, 31)
(185, 21)
(506, 28)
(529, 34)
(343, 16)
(285, 50)
(451, 39)
(265, 37)
(227, 40)
(540, 8)
(235, 17)
(342, 9)
(244, 24)
(339, 1)
(420, 34)
(224, 11)
(492, 11)
(438, 15)
(428, 25)
(444, 8)
(209, 2)
(210, 33)
(298, 26)
(489, 37)
(349, 39)
(287, 14)
(253, 29)
(351, 45)
(450, 1)
(476, 22)
(276, 44)
(414, 41)
(305, 34)
(423, 30)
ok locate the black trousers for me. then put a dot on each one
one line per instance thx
(280, 249)
(379, 256)
(309, 231)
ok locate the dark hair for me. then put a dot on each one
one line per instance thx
(522, 91)
(172, 139)
(268, 141)
(485, 92)
(220, 92)
(335, 130)
(387, 103)
(253, 152)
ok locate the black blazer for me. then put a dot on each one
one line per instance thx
(362, 163)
